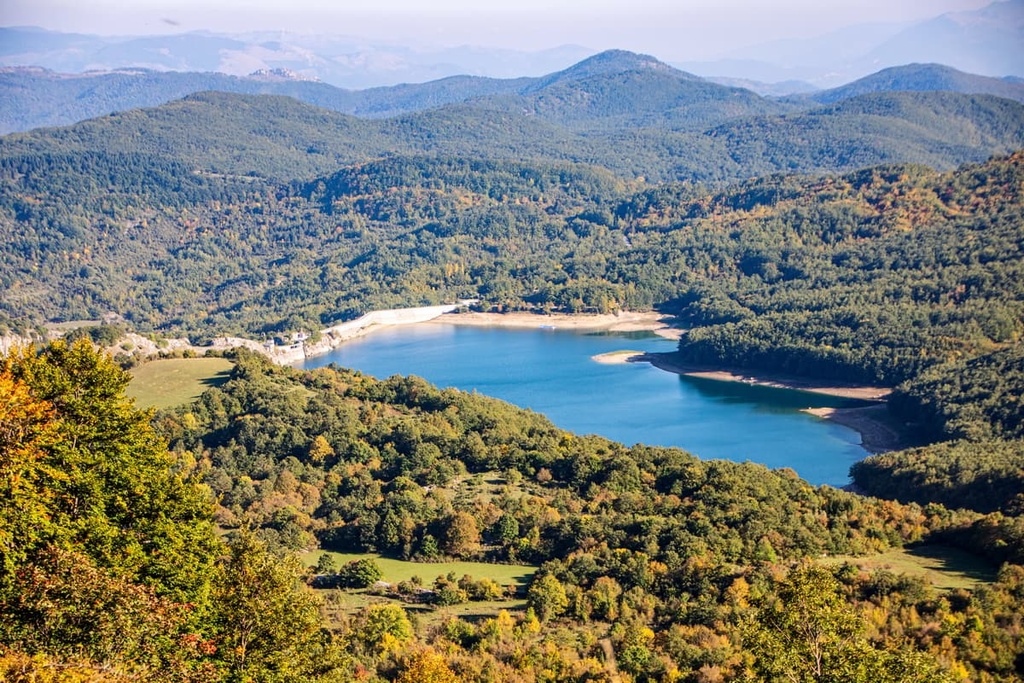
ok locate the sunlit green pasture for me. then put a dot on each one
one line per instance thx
(396, 571)
(173, 381)
(944, 567)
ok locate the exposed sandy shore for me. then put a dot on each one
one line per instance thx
(670, 363)
(616, 357)
(878, 432)
(333, 337)
(625, 321)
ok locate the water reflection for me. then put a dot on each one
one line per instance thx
(772, 399)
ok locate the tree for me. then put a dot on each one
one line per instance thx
(326, 564)
(267, 620)
(320, 449)
(461, 535)
(507, 529)
(66, 607)
(803, 632)
(426, 666)
(604, 598)
(383, 628)
(360, 573)
(807, 633)
(27, 428)
(103, 476)
(547, 597)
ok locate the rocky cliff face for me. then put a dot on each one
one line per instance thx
(9, 341)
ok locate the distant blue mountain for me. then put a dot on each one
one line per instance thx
(923, 77)
(611, 89)
(988, 41)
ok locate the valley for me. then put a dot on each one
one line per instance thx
(508, 379)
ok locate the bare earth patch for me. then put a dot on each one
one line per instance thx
(616, 357)
(878, 432)
(624, 321)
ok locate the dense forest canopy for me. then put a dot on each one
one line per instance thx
(887, 275)
(652, 562)
(817, 242)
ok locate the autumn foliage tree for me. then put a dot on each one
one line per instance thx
(102, 546)
(425, 666)
(267, 622)
(808, 632)
(108, 560)
(99, 479)
(27, 429)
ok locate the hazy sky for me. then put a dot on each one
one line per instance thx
(670, 29)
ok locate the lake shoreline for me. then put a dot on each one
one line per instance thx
(623, 321)
(670, 362)
(879, 432)
(451, 314)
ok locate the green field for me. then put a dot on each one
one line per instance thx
(944, 567)
(339, 603)
(343, 601)
(402, 570)
(172, 381)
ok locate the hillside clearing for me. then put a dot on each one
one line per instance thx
(944, 567)
(402, 570)
(173, 381)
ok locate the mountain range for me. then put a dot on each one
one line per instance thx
(343, 61)
(923, 77)
(987, 41)
(612, 89)
(626, 112)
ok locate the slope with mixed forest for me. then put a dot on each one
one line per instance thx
(656, 562)
(226, 213)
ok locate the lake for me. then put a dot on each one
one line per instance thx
(552, 372)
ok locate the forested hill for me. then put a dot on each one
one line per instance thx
(646, 559)
(223, 213)
(874, 276)
(36, 97)
(919, 77)
(280, 138)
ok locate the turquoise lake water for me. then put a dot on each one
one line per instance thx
(552, 372)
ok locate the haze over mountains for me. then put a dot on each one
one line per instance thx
(924, 77)
(988, 41)
(343, 61)
(613, 89)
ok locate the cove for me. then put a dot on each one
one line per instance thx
(552, 372)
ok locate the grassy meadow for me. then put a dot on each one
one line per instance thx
(348, 601)
(396, 571)
(173, 381)
(340, 602)
(944, 567)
